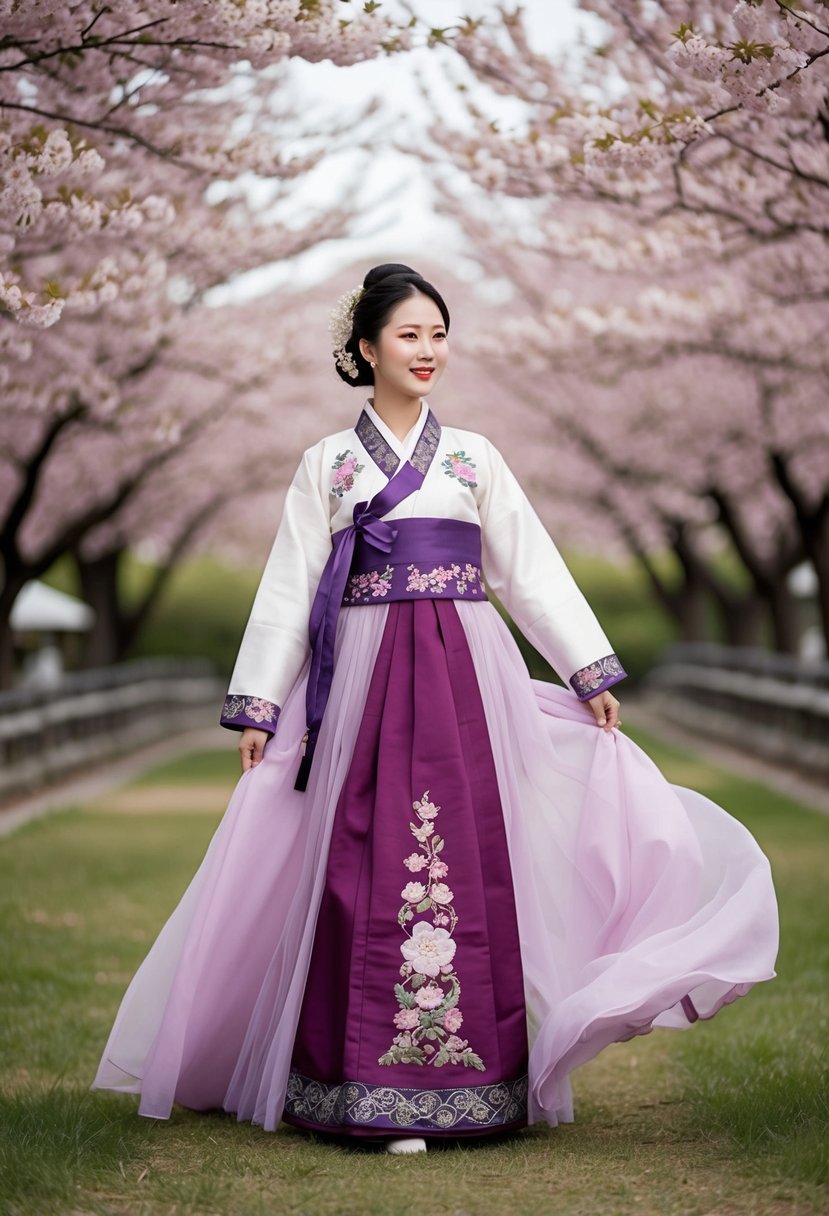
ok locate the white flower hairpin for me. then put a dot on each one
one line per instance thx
(341, 323)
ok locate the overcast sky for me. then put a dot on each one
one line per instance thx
(405, 221)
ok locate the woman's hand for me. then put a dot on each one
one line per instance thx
(606, 708)
(252, 747)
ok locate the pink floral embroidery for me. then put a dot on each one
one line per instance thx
(373, 583)
(347, 468)
(458, 465)
(255, 708)
(440, 578)
(586, 679)
(428, 1015)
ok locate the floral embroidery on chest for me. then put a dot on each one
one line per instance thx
(346, 469)
(429, 994)
(458, 465)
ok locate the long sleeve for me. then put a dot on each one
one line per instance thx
(526, 571)
(275, 643)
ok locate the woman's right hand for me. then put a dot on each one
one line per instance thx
(252, 747)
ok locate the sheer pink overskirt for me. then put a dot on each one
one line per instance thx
(223, 982)
(631, 894)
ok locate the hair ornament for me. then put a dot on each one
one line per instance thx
(341, 324)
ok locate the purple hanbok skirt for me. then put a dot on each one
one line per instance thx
(477, 892)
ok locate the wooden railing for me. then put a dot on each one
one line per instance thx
(94, 715)
(772, 705)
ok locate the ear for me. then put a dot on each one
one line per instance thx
(367, 350)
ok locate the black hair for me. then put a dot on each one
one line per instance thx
(384, 287)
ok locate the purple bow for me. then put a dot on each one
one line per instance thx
(326, 606)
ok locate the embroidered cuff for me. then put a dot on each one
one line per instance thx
(239, 712)
(590, 681)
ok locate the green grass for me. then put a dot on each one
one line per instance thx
(727, 1118)
(195, 767)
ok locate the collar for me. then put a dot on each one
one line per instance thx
(402, 448)
(387, 451)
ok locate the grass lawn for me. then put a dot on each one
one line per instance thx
(727, 1118)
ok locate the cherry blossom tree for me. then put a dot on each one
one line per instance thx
(131, 140)
(674, 186)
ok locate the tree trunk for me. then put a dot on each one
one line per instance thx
(820, 561)
(10, 589)
(784, 611)
(99, 588)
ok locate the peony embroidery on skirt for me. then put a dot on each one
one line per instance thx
(428, 997)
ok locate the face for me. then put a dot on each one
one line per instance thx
(411, 351)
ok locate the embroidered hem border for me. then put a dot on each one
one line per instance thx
(458, 1108)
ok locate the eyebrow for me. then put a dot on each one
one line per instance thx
(406, 325)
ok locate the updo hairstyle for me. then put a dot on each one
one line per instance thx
(383, 289)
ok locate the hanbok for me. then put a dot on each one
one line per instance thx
(444, 887)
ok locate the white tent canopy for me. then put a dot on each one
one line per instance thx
(39, 607)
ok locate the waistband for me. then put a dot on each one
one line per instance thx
(429, 558)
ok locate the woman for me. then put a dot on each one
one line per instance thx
(439, 885)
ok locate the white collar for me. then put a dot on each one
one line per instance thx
(401, 448)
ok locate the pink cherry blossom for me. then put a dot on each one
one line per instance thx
(438, 868)
(416, 862)
(440, 893)
(413, 892)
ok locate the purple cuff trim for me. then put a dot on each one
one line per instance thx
(239, 712)
(360, 1105)
(591, 680)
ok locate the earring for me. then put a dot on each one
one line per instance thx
(372, 364)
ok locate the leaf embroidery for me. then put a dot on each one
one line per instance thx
(428, 995)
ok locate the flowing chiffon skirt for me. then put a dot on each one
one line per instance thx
(636, 903)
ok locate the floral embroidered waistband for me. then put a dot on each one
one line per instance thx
(428, 558)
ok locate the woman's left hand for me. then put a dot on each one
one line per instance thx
(606, 708)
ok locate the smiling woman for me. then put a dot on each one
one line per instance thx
(439, 885)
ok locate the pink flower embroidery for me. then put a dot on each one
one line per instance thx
(371, 585)
(452, 1019)
(441, 578)
(441, 894)
(458, 465)
(407, 1019)
(346, 469)
(427, 1014)
(429, 996)
(427, 810)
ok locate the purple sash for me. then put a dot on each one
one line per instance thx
(326, 606)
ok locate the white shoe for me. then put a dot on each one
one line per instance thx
(408, 1144)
